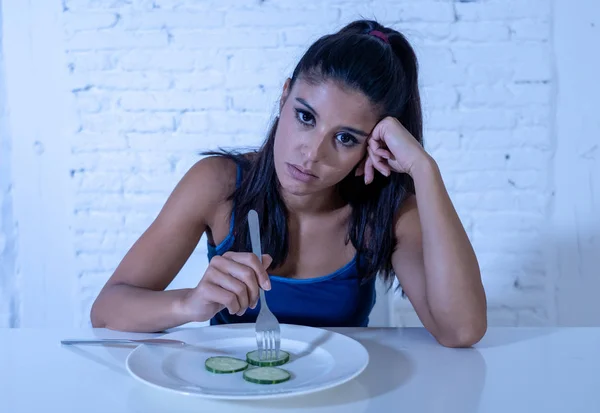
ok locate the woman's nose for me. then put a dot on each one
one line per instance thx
(314, 148)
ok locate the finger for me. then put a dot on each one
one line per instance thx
(378, 164)
(219, 294)
(368, 171)
(251, 260)
(238, 288)
(375, 143)
(267, 260)
(381, 167)
(239, 279)
(246, 275)
(384, 153)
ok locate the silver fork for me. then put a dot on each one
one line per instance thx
(268, 332)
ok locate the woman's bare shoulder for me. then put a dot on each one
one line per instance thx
(214, 176)
(204, 189)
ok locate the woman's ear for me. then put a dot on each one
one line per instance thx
(284, 93)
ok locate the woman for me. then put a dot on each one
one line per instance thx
(345, 192)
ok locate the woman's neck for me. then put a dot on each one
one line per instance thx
(319, 203)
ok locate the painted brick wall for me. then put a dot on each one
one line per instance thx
(487, 75)
(6, 222)
(155, 82)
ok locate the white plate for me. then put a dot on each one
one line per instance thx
(319, 360)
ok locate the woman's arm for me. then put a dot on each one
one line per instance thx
(133, 298)
(433, 258)
(436, 265)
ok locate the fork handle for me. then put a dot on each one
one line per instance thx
(254, 228)
(263, 300)
(255, 234)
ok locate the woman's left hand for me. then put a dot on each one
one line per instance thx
(390, 148)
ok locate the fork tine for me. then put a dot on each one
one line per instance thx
(277, 343)
(264, 346)
(259, 341)
(267, 344)
(259, 345)
(273, 343)
(270, 346)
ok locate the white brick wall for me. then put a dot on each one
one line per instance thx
(7, 230)
(574, 235)
(155, 82)
(487, 80)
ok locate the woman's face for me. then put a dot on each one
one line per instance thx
(321, 135)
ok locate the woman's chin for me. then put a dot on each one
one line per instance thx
(293, 187)
(296, 189)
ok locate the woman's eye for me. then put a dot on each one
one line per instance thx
(347, 139)
(303, 116)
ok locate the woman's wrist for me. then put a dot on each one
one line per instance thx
(424, 168)
(180, 308)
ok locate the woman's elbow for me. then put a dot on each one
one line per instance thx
(463, 337)
(98, 312)
(95, 316)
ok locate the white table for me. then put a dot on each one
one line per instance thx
(510, 370)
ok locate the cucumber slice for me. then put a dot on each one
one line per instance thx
(253, 358)
(267, 375)
(225, 365)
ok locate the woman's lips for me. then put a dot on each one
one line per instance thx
(300, 174)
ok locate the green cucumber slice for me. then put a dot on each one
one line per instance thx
(266, 375)
(253, 359)
(225, 365)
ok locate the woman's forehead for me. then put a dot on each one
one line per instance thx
(332, 100)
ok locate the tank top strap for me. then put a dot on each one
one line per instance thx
(228, 241)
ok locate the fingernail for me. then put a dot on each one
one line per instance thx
(267, 285)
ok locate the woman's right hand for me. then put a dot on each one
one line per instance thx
(231, 281)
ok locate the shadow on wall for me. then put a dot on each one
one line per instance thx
(8, 304)
(553, 279)
(518, 288)
(574, 266)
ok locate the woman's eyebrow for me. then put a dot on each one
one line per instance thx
(357, 131)
(308, 106)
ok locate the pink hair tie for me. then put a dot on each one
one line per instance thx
(379, 34)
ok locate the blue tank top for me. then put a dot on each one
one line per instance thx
(333, 300)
